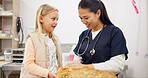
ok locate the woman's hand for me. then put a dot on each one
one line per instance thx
(50, 75)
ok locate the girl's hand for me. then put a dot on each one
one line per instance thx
(50, 75)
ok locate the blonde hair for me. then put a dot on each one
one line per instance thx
(42, 11)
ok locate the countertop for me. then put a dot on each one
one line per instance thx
(2, 61)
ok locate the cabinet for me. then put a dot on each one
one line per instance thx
(9, 11)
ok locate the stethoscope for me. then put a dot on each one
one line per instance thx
(92, 51)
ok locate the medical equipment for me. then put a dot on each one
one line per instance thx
(92, 51)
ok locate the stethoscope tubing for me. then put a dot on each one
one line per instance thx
(82, 43)
(87, 37)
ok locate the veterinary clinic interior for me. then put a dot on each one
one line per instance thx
(17, 20)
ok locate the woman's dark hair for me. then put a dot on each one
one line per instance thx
(94, 6)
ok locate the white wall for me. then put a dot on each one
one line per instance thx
(121, 12)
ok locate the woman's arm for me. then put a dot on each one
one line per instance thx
(115, 64)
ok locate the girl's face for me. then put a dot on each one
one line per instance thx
(49, 22)
(88, 18)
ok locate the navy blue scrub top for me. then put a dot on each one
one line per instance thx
(110, 43)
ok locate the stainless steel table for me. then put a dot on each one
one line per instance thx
(10, 67)
(2, 62)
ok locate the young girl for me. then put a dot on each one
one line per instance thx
(42, 49)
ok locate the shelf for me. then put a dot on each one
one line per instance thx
(6, 38)
(6, 15)
(17, 54)
(8, 23)
(17, 59)
(10, 15)
(18, 49)
(8, 0)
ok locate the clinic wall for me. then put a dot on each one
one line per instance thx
(135, 29)
(69, 25)
(122, 14)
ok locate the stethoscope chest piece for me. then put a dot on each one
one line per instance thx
(92, 52)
